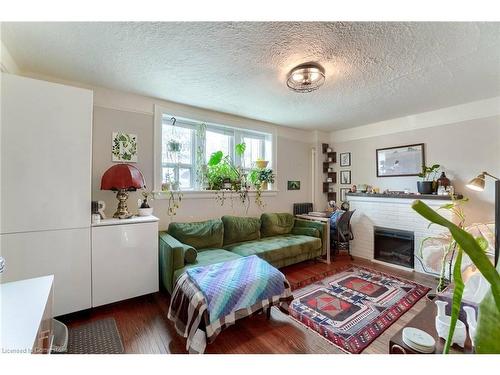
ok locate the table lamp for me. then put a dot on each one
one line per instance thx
(477, 184)
(122, 178)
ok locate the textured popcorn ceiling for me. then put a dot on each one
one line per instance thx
(374, 71)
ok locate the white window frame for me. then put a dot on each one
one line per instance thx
(267, 134)
(191, 166)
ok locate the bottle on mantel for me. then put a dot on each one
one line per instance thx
(443, 181)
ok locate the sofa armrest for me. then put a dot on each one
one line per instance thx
(172, 255)
(306, 231)
(322, 228)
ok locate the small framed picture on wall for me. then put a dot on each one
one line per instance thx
(343, 194)
(345, 159)
(345, 177)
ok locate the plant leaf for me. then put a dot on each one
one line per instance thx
(488, 325)
(240, 148)
(458, 291)
(468, 244)
(447, 206)
(482, 242)
(215, 158)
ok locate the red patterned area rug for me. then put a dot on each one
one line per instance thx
(352, 308)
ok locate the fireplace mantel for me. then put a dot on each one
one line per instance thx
(412, 196)
(393, 213)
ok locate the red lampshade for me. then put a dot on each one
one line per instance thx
(122, 177)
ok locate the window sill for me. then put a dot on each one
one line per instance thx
(209, 194)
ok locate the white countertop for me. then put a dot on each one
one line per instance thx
(21, 309)
(132, 220)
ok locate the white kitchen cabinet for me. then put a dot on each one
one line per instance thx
(62, 253)
(124, 259)
(45, 182)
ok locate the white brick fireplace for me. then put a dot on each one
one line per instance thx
(394, 213)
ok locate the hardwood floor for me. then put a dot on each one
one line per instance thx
(144, 326)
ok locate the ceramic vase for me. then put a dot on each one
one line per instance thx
(443, 326)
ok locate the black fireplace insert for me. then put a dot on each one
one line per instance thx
(394, 246)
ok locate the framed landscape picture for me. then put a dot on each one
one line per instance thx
(345, 177)
(345, 159)
(293, 185)
(400, 161)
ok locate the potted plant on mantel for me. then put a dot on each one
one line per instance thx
(428, 175)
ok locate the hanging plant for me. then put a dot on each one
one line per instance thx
(174, 146)
(201, 166)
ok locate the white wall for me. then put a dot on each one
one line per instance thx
(463, 148)
(293, 162)
(118, 111)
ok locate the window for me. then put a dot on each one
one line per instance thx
(186, 143)
(177, 154)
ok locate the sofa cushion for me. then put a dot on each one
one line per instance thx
(313, 232)
(239, 229)
(200, 235)
(273, 249)
(206, 257)
(275, 224)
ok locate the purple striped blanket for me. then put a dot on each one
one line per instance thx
(236, 284)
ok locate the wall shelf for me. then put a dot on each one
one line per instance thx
(330, 159)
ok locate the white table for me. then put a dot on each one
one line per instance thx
(26, 316)
(325, 221)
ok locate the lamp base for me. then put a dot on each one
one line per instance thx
(122, 209)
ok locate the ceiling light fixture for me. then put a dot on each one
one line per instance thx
(306, 77)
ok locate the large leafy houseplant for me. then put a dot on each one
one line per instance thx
(488, 326)
(224, 177)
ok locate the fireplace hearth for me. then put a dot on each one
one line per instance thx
(394, 246)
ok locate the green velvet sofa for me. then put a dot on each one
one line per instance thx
(278, 238)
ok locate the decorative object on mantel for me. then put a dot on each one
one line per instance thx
(331, 175)
(144, 208)
(400, 161)
(124, 147)
(477, 184)
(345, 159)
(306, 77)
(443, 180)
(345, 177)
(428, 185)
(122, 178)
(488, 326)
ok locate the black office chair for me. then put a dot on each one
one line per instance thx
(341, 236)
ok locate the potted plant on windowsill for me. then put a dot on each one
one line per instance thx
(261, 163)
(428, 175)
(260, 180)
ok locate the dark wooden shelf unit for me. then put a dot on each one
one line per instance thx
(331, 195)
